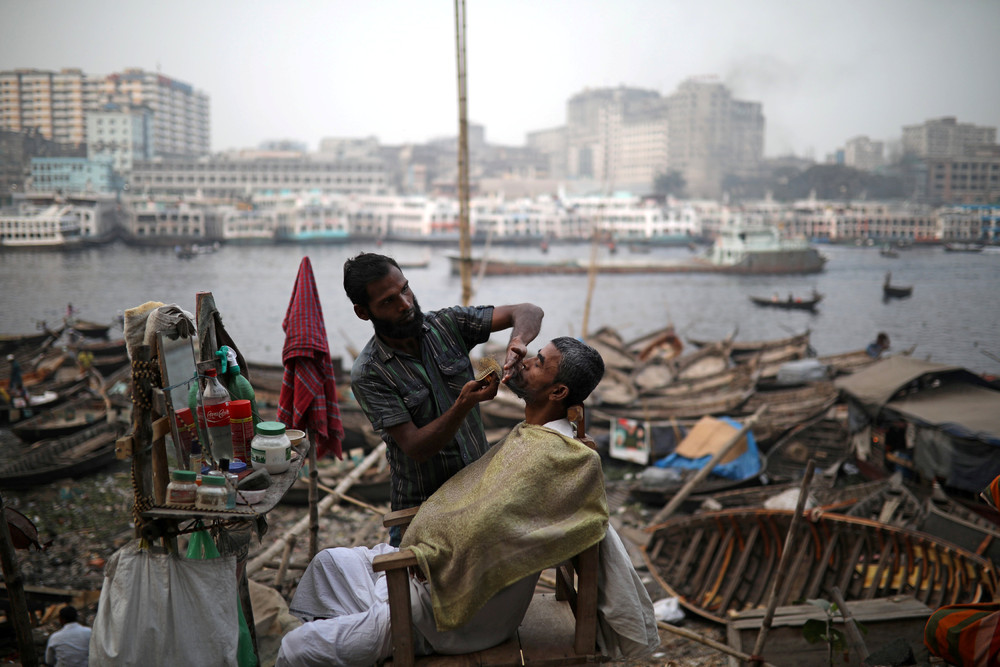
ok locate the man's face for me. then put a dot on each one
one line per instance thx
(536, 375)
(392, 307)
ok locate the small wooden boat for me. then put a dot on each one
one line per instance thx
(895, 291)
(791, 303)
(75, 455)
(63, 420)
(11, 342)
(799, 412)
(716, 563)
(89, 329)
(747, 348)
(887, 251)
(660, 408)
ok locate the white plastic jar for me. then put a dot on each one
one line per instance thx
(271, 448)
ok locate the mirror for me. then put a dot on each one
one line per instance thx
(177, 371)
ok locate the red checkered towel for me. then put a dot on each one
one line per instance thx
(308, 399)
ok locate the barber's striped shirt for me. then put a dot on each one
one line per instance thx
(393, 388)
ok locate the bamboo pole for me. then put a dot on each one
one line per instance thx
(783, 564)
(329, 501)
(15, 590)
(688, 487)
(464, 240)
(850, 624)
(707, 641)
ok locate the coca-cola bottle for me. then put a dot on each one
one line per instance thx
(215, 399)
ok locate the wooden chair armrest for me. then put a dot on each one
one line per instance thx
(396, 567)
(394, 561)
(399, 517)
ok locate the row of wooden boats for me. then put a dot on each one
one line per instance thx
(78, 405)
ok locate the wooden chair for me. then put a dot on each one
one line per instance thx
(557, 629)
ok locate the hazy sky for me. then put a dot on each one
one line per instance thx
(824, 71)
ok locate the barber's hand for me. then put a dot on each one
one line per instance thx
(477, 391)
(516, 351)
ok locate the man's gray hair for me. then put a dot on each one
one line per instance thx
(580, 369)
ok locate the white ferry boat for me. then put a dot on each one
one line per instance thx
(761, 249)
(56, 226)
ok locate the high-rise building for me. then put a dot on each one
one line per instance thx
(120, 135)
(712, 135)
(946, 138)
(864, 154)
(56, 104)
(597, 122)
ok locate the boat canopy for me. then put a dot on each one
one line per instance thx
(950, 398)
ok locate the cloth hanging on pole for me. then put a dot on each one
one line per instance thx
(308, 398)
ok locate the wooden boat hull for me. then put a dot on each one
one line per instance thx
(76, 455)
(743, 348)
(721, 562)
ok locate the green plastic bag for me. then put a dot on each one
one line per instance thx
(202, 547)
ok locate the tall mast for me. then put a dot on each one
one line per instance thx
(464, 241)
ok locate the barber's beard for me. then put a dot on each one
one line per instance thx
(410, 329)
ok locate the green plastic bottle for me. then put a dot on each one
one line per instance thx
(237, 384)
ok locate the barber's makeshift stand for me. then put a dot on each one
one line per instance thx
(157, 523)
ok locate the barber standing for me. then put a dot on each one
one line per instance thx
(414, 380)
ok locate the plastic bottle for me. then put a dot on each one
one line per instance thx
(215, 398)
(241, 428)
(237, 384)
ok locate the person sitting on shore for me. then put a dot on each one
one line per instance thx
(878, 346)
(528, 503)
(70, 645)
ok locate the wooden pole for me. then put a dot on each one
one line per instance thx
(15, 591)
(313, 499)
(850, 624)
(783, 565)
(276, 547)
(707, 641)
(142, 433)
(688, 487)
(591, 282)
(464, 239)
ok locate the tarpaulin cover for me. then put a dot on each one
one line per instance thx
(745, 465)
(308, 398)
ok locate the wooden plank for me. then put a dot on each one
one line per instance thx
(736, 577)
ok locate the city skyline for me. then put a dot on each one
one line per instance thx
(823, 73)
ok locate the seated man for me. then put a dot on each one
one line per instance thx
(530, 502)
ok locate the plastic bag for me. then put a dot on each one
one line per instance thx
(161, 609)
(201, 546)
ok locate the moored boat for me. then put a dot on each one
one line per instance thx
(63, 420)
(716, 563)
(75, 455)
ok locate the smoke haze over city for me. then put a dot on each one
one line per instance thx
(823, 71)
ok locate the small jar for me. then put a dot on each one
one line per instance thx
(212, 494)
(271, 448)
(182, 489)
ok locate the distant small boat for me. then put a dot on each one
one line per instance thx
(963, 247)
(895, 291)
(195, 249)
(791, 303)
(887, 251)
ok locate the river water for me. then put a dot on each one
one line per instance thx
(952, 316)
